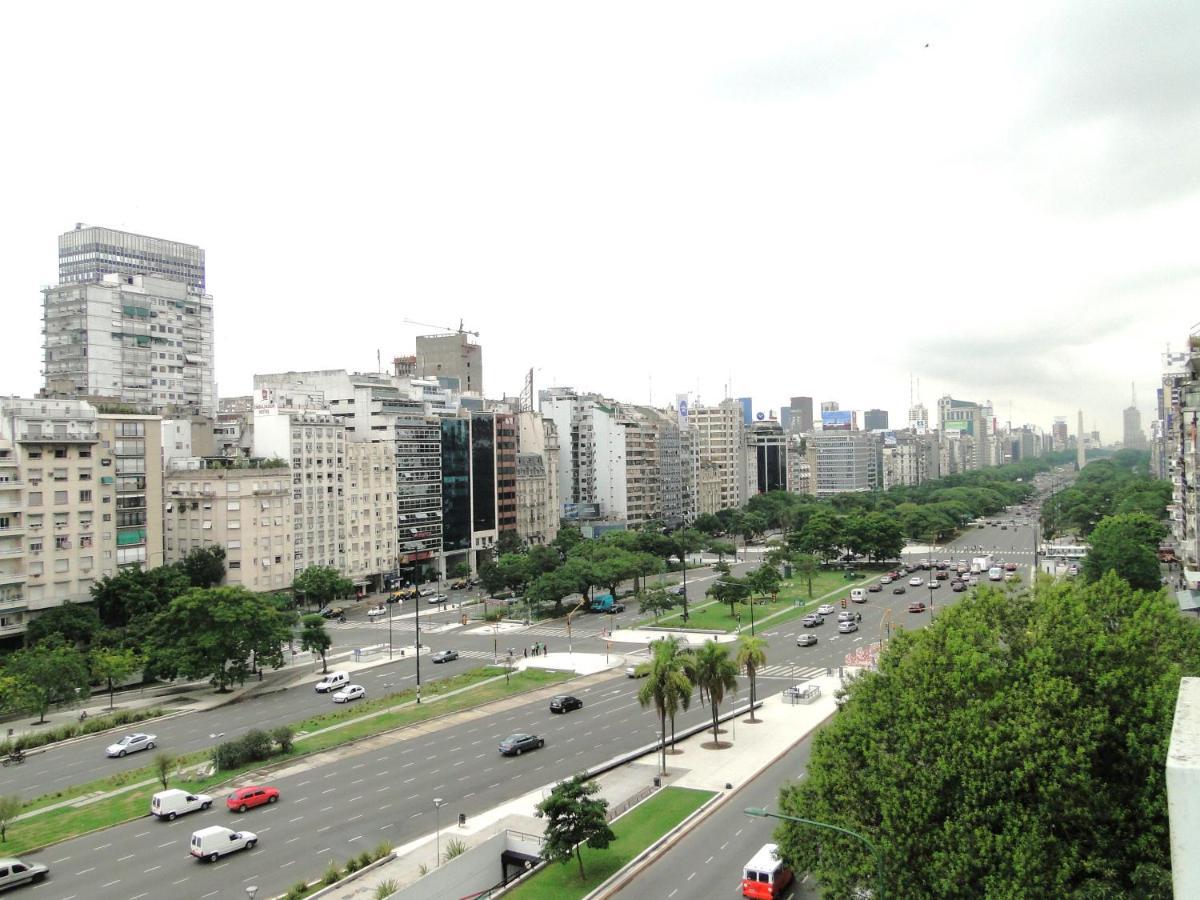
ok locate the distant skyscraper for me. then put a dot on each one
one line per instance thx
(830, 406)
(1080, 450)
(1134, 438)
(747, 404)
(802, 414)
(918, 418)
(90, 252)
(129, 322)
(451, 356)
(875, 420)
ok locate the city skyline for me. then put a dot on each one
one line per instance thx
(801, 202)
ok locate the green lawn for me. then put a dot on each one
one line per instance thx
(635, 831)
(63, 823)
(793, 600)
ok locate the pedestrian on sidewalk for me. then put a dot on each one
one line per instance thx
(527, 653)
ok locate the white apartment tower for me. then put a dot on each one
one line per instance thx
(719, 440)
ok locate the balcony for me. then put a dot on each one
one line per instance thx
(85, 437)
(12, 578)
(11, 484)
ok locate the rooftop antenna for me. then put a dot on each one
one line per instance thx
(378, 361)
(1132, 394)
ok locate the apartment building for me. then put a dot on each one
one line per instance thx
(966, 419)
(765, 465)
(538, 435)
(591, 456)
(451, 356)
(719, 440)
(908, 458)
(75, 489)
(842, 461)
(243, 505)
(799, 474)
(136, 340)
(368, 522)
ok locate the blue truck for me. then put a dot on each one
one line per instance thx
(606, 604)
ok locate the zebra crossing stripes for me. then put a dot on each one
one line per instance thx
(790, 672)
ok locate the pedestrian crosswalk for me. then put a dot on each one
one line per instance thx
(795, 673)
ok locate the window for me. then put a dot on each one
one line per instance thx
(233, 545)
(235, 564)
(234, 524)
(60, 498)
(233, 505)
(35, 498)
(85, 496)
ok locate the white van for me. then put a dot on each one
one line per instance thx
(216, 840)
(332, 682)
(858, 595)
(169, 804)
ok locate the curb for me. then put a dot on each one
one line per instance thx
(356, 874)
(620, 879)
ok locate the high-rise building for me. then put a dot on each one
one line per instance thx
(875, 420)
(766, 464)
(918, 418)
(451, 356)
(89, 252)
(801, 418)
(842, 461)
(1133, 438)
(718, 432)
(537, 435)
(959, 419)
(1059, 433)
(747, 404)
(136, 340)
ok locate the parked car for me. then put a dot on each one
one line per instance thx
(917, 606)
(249, 797)
(331, 682)
(565, 703)
(350, 692)
(516, 744)
(812, 620)
(215, 841)
(898, 589)
(806, 640)
(458, 584)
(17, 871)
(943, 576)
(847, 627)
(173, 803)
(825, 609)
(444, 656)
(131, 743)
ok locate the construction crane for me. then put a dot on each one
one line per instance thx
(458, 330)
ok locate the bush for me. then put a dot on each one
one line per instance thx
(284, 737)
(494, 615)
(382, 849)
(253, 746)
(332, 874)
(352, 865)
(365, 859)
(75, 729)
(454, 848)
(385, 889)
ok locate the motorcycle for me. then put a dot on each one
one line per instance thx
(15, 758)
(342, 619)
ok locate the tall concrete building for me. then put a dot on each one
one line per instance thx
(130, 321)
(451, 356)
(747, 405)
(918, 418)
(766, 465)
(966, 419)
(1133, 438)
(842, 462)
(797, 417)
(80, 499)
(719, 440)
(539, 436)
(1059, 434)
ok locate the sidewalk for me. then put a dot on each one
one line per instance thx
(754, 748)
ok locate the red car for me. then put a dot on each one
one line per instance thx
(245, 798)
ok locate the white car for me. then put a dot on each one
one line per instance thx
(915, 582)
(131, 743)
(215, 841)
(17, 871)
(350, 692)
(376, 612)
(426, 592)
(825, 609)
(439, 598)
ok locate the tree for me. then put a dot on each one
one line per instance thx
(163, 764)
(656, 601)
(321, 585)
(574, 816)
(1045, 715)
(722, 549)
(491, 576)
(214, 632)
(314, 637)
(765, 580)
(46, 675)
(708, 524)
(508, 542)
(131, 598)
(731, 590)
(205, 566)
(1126, 544)
(75, 624)
(820, 535)
(715, 674)
(112, 665)
(551, 587)
(667, 688)
(10, 808)
(806, 566)
(751, 656)
(566, 539)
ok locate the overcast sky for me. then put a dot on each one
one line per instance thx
(638, 199)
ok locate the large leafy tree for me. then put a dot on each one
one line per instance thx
(1016, 741)
(47, 674)
(1126, 544)
(806, 567)
(821, 535)
(214, 633)
(74, 624)
(131, 598)
(655, 601)
(205, 566)
(314, 638)
(714, 673)
(321, 585)
(112, 665)
(574, 816)
(730, 589)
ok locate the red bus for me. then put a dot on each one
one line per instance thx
(765, 877)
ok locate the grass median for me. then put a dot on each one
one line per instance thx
(635, 831)
(478, 686)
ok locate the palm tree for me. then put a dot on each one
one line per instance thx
(667, 688)
(715, 674)
(751, 656)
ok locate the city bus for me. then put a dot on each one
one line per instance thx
(1065, 551)
(765, 877)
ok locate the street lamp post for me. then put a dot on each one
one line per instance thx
(417, 603)
(438, 803)
(761, 813)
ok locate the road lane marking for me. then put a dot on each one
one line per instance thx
(289, 863)
(111, 883)
(353, 839)
(101, 847)
(85, 871)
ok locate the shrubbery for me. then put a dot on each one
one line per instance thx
(254, 746)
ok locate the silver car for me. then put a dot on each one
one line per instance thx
(131, 743)
(847, 627)
(15, 871)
